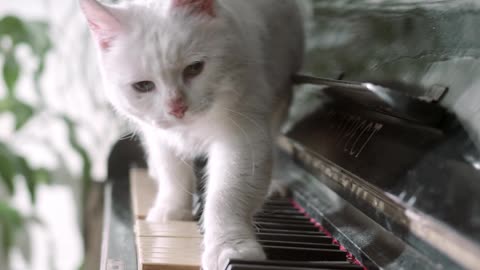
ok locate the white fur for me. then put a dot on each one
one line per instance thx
(251, 49)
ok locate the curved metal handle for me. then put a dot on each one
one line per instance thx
(434, 94)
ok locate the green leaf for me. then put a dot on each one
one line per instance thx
(24, 169)
(73, 140)
(14, 28)
(36, 78)
(42, 176)
(38, 38)
(35, 35)
(11, 71)
(32, 177)
(22, 112)
(10, 223)
(7, 168)
(12, 165)
(4, 105)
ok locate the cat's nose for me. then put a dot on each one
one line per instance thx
(177, 107)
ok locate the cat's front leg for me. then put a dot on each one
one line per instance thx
(239, 176)
(176, 183)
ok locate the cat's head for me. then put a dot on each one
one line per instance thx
(163, 61)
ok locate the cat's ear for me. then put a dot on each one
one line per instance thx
(103, 24)
(199, 6)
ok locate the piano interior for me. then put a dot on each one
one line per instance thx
(382, 176)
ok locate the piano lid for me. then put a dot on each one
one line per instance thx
(426, 44)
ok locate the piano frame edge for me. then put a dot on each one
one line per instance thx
(420, 235)
(107, 215)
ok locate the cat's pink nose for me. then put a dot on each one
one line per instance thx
(177, 107)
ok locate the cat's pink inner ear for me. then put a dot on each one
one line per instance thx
(203, 6)
(102, 23)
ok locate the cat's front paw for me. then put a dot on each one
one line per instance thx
(216, 257)
(164, 214)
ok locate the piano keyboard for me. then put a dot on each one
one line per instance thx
(290, 238)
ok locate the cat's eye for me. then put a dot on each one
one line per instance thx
(144, 86)
(193, 70)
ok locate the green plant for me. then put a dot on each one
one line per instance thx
(14, 33)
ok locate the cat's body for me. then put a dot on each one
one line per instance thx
(215, 80)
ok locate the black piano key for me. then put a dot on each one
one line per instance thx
(298, 244)
(288, 212)
(278, 200)
(276, 207)
(295, 238)
(267, 267)
(317, 233)
(280, 226)
(278, 203)
(303, 254)
(305, 221)
(301, 265)
(281, 216)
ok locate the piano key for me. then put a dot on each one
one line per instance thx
(170, 264)
(168, 229)
(168, 242)
(303, 254)
(305, 221)
(341, 265)
(280, 207)
(280, 226)
(143, 190)
(169, 253)
(261, 230)
(266, 267)
(281, 216)
(298, 244)
(295, 238)
(278, 203)
(191, 255)
(289, 212)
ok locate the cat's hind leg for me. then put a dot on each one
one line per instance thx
(279, 186)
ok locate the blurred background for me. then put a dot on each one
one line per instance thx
(56, 130)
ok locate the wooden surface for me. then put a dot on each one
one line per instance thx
(161, 246)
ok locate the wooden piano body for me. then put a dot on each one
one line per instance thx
(394, 178)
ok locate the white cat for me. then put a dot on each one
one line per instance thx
(203, 77)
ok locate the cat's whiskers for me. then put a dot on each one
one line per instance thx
(130, 136)
(249, 119)
(181, 186)
(256, 227)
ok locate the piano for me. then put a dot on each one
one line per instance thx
(383, 172)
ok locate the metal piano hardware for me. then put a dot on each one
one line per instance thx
(409, 102)
(434, 94)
